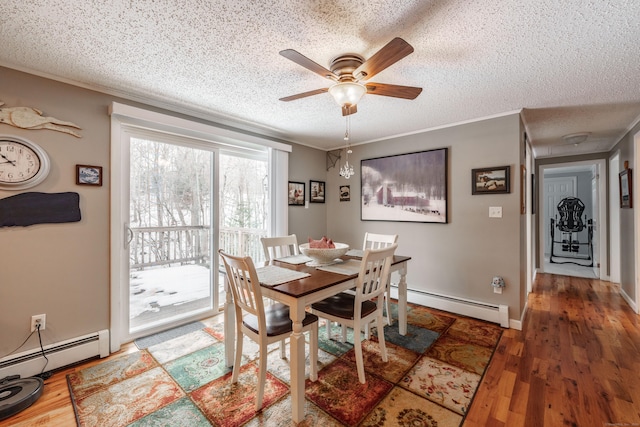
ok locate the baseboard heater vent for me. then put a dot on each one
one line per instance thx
(64, 353)
(478, 310)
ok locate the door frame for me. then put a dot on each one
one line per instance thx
(126, 116)
(614, 219)
(601, 221)
(636, 224)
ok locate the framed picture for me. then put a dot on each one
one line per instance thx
(316, 191)
(345, 193)
(625, 189)
(89, 175)
(493, 180)
(296, 193)
(408, 187)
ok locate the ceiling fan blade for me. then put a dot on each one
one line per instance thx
(391, 53)
(347, 109)
(302, 60)
(406, 92)
(304, 94)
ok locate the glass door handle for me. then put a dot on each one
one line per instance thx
(128, 236)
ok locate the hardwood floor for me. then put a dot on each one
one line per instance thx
(575, 363)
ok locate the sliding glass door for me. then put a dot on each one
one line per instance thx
(170, 234)
(180, 190)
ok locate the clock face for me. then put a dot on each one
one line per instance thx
(23, 164)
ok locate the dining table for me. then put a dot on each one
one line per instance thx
(291, 281)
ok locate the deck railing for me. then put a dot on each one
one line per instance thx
(153, 246)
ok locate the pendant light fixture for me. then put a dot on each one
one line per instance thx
(346, 171)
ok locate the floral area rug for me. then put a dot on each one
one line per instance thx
(429, 379)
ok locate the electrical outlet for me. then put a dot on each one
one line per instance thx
(38, 319)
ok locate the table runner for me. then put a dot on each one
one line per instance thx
(272, 275)
(356, 253)
(294, 259)
(348, 268)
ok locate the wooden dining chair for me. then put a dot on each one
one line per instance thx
(373, 241)
(366, 305)
(377, 241)
(278, 247)
(264, 324)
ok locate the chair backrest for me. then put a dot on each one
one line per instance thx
(245, 287)
(374, 273)
(377, 241)
(277, 247)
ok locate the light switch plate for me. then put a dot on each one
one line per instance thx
(495, 211)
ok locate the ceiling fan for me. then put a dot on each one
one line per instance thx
(349, 70)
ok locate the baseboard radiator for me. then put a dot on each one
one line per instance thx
(478, 310)
(64, 353)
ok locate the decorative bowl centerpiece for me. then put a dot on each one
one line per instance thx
(324, 256)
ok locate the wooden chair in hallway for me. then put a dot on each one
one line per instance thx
(278, 247)
(366, 305)
(264, 324)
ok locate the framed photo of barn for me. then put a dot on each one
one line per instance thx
(491, 180)
(408, 187)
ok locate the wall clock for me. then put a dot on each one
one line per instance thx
(23, 164)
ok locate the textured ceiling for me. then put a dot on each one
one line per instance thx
(572, 65)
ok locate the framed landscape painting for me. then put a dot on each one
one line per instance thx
(408, 187)
(492, 180)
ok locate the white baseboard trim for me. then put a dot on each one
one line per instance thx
(64, 353)
(496, 313)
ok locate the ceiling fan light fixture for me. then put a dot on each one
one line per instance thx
(347, 93)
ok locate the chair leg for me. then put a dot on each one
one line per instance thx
(357, 346)
(313, 353)
(387, 305)
(238, 358)
(328, 326)
(381, 341)
(343, 338)
(283, 351)
(262, 375)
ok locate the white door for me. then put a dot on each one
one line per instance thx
(555, 189)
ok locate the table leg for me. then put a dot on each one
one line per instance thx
(229, 327)
(402, 301)
(297, 342)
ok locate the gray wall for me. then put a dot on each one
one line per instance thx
(627, 227)
(63, 269)
(306, 164)
(461, 257)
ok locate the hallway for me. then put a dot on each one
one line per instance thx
(568, 269)
(575, 363)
